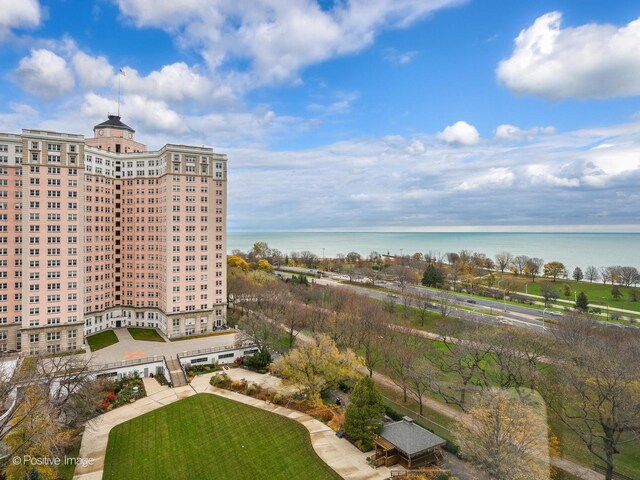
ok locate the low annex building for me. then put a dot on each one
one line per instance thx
(408, 444)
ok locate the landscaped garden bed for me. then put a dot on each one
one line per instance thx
(126, 390)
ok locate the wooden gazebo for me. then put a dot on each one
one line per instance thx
(408, 444)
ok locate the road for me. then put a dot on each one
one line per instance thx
(496, 315)
(498, 312)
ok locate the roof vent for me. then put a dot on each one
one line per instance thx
(407, 419)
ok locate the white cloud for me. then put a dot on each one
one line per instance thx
(513, 133)
(176, 82)
(151, 115)
(45, 74)
(18, 14)
(589, 61)
(277, 38)
(416, 147)
(461, 133)
(495, 177)
(341, 104)
(93, 72)
(543, 174)
(397, 57)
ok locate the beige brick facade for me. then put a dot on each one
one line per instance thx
(100, 233)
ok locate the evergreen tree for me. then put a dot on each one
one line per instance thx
(432, 276)
(33, 474)
(577, 274)
(582, 302)
(616, 293)
(364, 414)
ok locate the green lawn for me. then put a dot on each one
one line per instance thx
(210, 437)
(146, 334)
(102, 340)
(597, 293)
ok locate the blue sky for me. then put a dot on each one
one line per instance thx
(358, 114)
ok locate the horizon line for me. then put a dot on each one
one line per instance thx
(611, 229)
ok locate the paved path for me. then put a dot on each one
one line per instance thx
(349, 462)
(264, 380)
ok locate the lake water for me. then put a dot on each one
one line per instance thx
(573, 249)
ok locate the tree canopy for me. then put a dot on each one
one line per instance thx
(432, 276)
(364, 414)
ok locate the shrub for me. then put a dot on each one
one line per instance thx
(220, 381)
(280, 399)
(239, 361)
(252, 389)
(110, 396)
(344, 387)
(451, 447)
(392, 414)
(259, 360)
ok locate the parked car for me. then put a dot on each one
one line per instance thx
(471, 301)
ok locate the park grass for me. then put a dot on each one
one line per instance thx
(572, 448)
(210, 437)
(145, 334)
(101, 340)
(598, 294)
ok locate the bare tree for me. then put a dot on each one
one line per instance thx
(404, 276)
(628, 275)
(42, 399)
(503, 260)
(452, 257)
(595, 394)
(423, 304)
(420, 380)
(463, 358)
(518, 359)
(518, 263)
(605, 274)
(446, 303)
(591, 274)
(372, 329)
(400, 356)
(294, 319)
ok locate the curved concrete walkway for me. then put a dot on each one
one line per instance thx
(349, 462)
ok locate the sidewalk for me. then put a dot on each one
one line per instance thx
(349, 462)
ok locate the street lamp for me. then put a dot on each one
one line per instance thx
(504, 299)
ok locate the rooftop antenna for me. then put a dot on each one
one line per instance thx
(122, 74)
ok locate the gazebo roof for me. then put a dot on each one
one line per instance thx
(410, 437)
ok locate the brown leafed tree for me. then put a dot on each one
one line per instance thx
(505, 437)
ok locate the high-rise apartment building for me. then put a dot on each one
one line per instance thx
(99, 233)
